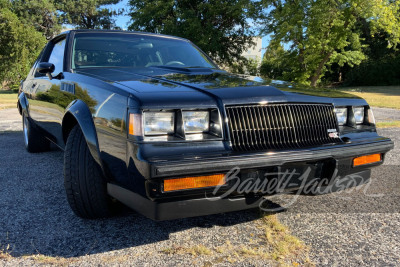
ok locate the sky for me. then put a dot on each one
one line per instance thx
(123, 21)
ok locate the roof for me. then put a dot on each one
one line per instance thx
(122, 31)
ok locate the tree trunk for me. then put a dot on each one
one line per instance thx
(317, 73)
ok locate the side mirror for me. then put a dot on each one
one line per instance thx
(46, 68)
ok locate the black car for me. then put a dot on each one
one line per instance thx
(150, 121)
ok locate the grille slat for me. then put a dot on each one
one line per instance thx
(275, 132)
(319, 115)
(234, 128)
(280, 126)
(268, 123)
(295, 133)
(300, 135)
(239, 129)
(313, 125)
(258, 129)
(304, 123)
(263, 122)
(252, 132)
(323, 111)
(289, 125)
(273, 116)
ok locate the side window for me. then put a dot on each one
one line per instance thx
(33, 69)
(57, 56)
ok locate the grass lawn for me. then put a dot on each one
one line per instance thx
(8, 99)
(377, 96)
(388, 124)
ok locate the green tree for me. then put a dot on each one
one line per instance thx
(321, 33)
(382, 66)
(20, 44)
(89, 14)
(41, 14)
(276, 62)
(245, 66)
(220, 28)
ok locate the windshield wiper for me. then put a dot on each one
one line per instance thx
(185, 69)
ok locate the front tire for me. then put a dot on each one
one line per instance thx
(85, 185)
(33, 139)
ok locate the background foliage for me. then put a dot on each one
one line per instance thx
(324, 36)
(88, 14)
(40, 14)
(26, 25)
(17, 41)
(326, 42)
(221, 28)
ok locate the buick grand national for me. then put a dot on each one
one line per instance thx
(152, 122)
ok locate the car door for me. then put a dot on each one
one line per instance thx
(46, 100)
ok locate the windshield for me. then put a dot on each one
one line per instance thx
(92, 50)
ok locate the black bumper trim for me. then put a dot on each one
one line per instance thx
(217, 164)
(181, 208)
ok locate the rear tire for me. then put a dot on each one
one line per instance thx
(33, 139)
(85, 185)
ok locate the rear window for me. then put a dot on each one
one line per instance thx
(135, 51)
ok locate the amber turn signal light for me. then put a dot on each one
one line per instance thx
(193, 182)
(367, 159)
(135, 124)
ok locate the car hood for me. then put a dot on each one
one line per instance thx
(223, 86)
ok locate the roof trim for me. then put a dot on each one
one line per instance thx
(120, 31)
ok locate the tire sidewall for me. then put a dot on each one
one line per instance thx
(84, 182)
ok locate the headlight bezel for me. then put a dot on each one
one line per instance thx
(213, 131)
(358, 117)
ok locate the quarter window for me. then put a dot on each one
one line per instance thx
(57, 56)
(33, 69)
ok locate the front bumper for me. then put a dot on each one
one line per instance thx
(186, 204)
(176, 209)
(259, 160)
(180, 208)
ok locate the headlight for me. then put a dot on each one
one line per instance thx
(358, 114)
(341, 114)
(175, 125)
(196, 121)
(159, 123)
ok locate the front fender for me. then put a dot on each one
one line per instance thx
(80, 111)
(22, 104)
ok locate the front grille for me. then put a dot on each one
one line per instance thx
(281, 126)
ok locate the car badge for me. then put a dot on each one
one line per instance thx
(332, 133)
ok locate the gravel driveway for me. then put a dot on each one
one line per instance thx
(386, 114)
(361, 228)
(35, 219)
(10, 120)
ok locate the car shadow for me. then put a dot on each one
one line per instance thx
(35, 216)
